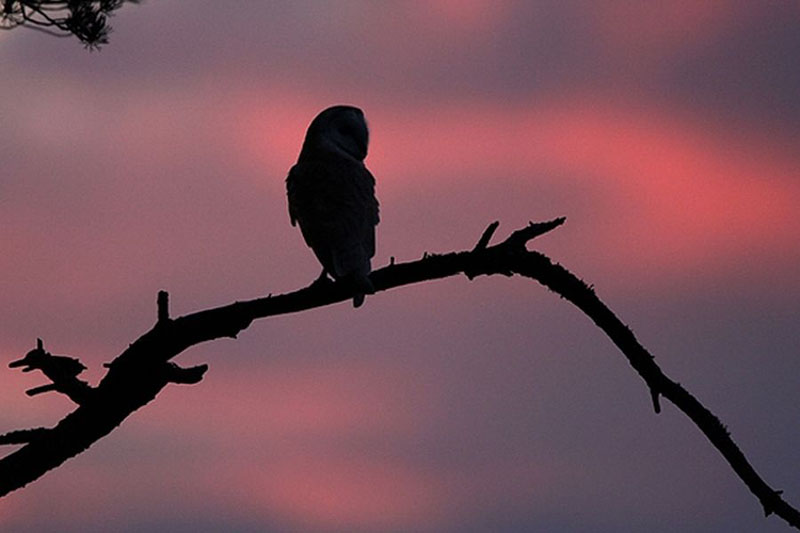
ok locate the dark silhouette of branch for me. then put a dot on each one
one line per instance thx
(137, 375)
(85, 19)
(60, 369)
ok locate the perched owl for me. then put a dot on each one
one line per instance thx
(332, 196)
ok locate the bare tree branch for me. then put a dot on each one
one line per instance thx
(137, 375)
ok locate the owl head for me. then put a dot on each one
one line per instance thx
(339, 129)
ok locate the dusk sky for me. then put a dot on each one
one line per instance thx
(666, 132)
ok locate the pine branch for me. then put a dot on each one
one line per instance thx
(85, 19)
(137, 375)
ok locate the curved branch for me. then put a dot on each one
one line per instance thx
(561, 281)
(137, 375)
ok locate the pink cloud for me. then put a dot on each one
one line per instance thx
(347, 493)
(645, 30)
(688, 196)
(462, 18)
(300, 401)
(309, 469)
(671, 193)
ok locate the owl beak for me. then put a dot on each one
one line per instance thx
(362, 149)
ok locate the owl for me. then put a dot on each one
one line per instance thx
(332, 196)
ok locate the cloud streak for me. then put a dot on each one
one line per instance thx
(665, 134)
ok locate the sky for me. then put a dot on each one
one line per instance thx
(666, 133)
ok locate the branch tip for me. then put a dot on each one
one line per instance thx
(486, 236)
(654, 394)
(22, 436)
(163, 306)
(185, 376)
(533, 230)
(41, 389)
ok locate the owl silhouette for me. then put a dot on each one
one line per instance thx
(332, 197)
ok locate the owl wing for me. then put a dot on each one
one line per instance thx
(333, 200)
(365, 185)
(291, 194)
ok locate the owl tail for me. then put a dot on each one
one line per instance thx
(363, 286)
(353, 264)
